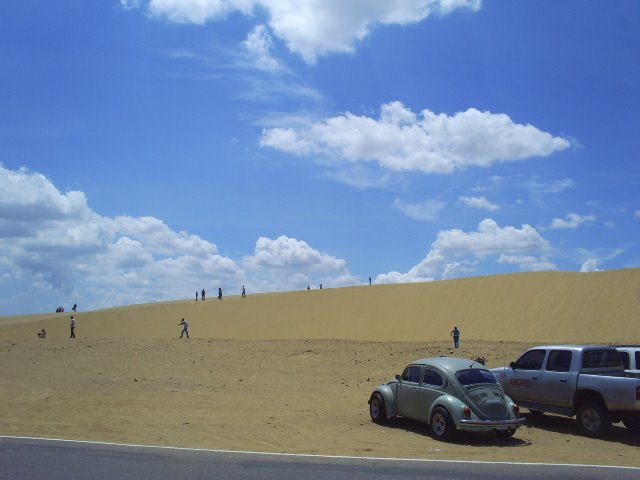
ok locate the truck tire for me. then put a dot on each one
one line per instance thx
(593, 419)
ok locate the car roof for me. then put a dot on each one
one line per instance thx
(449, 364)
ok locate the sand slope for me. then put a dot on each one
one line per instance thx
(597, 307)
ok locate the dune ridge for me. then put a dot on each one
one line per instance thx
(554, 307)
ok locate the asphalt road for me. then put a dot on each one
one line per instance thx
(35, 459)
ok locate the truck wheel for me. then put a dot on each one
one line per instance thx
(593, 419)
(441, 425)
(377, 409)
(632, 424)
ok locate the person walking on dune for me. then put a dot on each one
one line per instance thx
(455, 333)
(244, 292)
(72, 325)
(185, 328)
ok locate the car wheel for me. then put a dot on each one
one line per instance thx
(377, 408)
(593, 419)
(632, 424)
(442, 426)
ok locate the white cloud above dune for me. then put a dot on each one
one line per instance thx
(309, 28)
(401, 140)
(478, 202)
(455, 250)
(54, 241)
(572, 221)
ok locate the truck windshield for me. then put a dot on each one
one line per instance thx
(601, 359)
(475, 375)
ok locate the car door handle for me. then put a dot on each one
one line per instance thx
(534, 378)
(564, 380)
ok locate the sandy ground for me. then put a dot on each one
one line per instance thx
(282, 372)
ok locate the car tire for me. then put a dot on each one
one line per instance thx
(632, 424)
(442, 426)
(377, 408)
(593, 419)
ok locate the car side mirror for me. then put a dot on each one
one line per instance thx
(397, 377)
(513, 365)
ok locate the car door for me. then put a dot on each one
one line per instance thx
(521, 380)
(430, 389)
(408, 391)
(556, 380)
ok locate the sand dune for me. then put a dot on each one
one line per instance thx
(292, 372)
(597, 307)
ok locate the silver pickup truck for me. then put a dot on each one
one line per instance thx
(586, 381)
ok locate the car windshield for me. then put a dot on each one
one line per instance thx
(472, 376)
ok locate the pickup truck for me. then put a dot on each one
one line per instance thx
(630, 355)
(586, 381)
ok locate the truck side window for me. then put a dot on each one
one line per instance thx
(411, 374)
(608, 358)
(625, 359)
(559, 361)
(531, 360)
(637, 360)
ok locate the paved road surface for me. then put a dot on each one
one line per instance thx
(36, 459)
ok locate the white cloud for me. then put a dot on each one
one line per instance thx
(258, 43)
(51, 241)
(572, 221)
(455, 250)
(590, 265)
(637, 214)
(427, 210)
(310, 28)
(478, 202)
(400, 140)
(528, 263)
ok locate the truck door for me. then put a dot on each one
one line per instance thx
(408, 391)
(556, 380)
(521, 382)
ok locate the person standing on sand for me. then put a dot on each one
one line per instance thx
(455, 333)
(196, 295)
(220, 293)
(185, 328)
(202, 294)
(72, 325)
(244, 293)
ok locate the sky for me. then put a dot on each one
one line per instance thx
(153, 148)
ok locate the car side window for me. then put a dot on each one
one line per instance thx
(411, 374)
(637, 360)
(432, 377)
(625, 359)
(531, 360)
(559, 361)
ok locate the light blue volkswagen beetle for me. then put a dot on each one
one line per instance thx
(450, 394)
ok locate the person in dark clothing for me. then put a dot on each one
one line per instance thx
(455, 333)
(202, 294)
(219, 293)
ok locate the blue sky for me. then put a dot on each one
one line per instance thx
(149, 148)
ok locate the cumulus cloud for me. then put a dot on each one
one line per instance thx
(456, 250)
(590, 265)
(478, 202)
(308, 28)
(572, 221)
(51, 241)
(401, 140)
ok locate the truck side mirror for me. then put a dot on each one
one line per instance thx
(513, 365)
